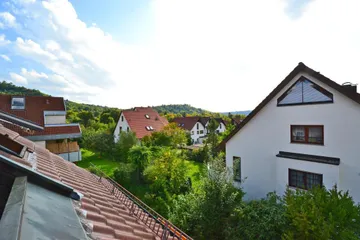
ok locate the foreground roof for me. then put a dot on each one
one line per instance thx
(103, 213)
(138, 122)
(301, 67)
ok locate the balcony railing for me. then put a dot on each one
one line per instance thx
(158, 224)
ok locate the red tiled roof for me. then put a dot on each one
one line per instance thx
(47, 130)
(186, 122)
(34, 107)
(110, 218)
(138, 122)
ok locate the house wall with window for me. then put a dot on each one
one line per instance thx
(197, 131)
(122, 125)
(269, 131)
(55, 119)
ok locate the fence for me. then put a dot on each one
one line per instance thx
(158, 224)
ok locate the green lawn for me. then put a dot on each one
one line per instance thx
(102, 162)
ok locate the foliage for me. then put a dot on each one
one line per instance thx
(167, 177)
(11, 89)
(229, 128)
(139, 156)
(178, 108)
(199, 155)
(85, 117)
(212, 136)
(170, 136)
(123, 174)
(106, 118)
(208, 212)
(260, 219)
(98, 141)
(321, 214)
(126, 141)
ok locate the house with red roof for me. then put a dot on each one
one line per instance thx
(43, 196)
(42, 119)
(140, 120)
(198, 127)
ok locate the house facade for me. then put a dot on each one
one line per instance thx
(45, 118)
(312, 138)
(197, 126)
(140, 120)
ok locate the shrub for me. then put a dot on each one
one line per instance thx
(123, 174)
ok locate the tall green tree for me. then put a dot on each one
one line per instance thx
(140, 157)
(85, 117)
(126, 141)
(212, 136)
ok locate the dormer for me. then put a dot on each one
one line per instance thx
(17, 103)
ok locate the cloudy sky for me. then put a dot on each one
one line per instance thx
(218, 55)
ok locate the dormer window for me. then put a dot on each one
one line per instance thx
(10, 146)
(18, 103)
(149, 128)
(147, 116)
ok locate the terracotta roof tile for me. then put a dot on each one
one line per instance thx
(138, 122)
(34, 107)
(111, 219)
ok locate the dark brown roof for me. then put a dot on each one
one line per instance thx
(138, 122)
(301, 67)
(34, 107)
(71, 129)
(187, 122)
(109, 217)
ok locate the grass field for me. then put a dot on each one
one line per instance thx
(103, 162)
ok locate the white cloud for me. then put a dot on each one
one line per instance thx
(17, 78)
(5, 57)
(7, 20)
(221, 56)
(33, 75)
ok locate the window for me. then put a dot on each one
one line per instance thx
(304, 180)
(305, 92)
(201, 131)
(120, 129)
(127, 129)
(197, 132)
(147, 116)
(217, 131)
(220, 125)
(192, 132)
(197, 126)
(122, 118)
(148, 128)
(151, 128)
(237, 168)
(307, 134)
(18, 103)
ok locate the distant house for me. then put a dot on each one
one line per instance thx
(305, 133)
(140, 120)
(45, 118)
(236, 121)
(197, 126)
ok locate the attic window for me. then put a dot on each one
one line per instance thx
(18, 103)
(149, 128)
(305, 91)
(147, 116)
(10, 146)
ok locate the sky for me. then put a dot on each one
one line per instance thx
(217, 55)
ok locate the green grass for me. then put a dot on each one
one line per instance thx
(195, 171)
(104, 163)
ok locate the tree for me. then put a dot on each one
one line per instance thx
(212, 137)
(321, 214)
(106, 118)
(139, 156)
(170, 136)
(126, 141)
(85, 117)
(229, 129)
(208, 213)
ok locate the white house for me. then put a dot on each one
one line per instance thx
(220, 129)
(140, 120)
(305, 132)
(194, 125)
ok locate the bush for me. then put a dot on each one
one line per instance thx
(126, 141)
(321, 214)
(199, 155)
(95, 171)
(123, 174)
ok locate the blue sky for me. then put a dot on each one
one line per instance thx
(218, 55)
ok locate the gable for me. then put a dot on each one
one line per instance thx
(300, 68)
(304, 91)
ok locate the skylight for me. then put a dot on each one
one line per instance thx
(151, 128)
(148, 128)
(18, 103)
(147, 116)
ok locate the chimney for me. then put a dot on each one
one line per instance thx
(350, 87)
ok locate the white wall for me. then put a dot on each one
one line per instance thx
(41, 143)
(268, 132)
(194, 132)
(55, 119)
(123, 124)
(72, 157)
(221, 128)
